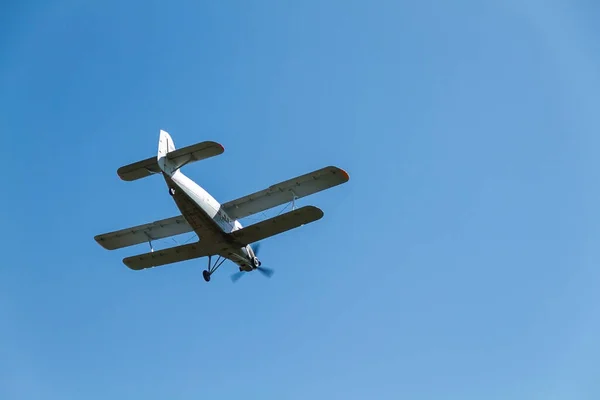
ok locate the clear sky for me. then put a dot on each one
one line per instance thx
(459, 262)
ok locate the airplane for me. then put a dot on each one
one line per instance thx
(220, 234)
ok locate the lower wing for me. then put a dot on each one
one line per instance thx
(169, 256)
(276, 225)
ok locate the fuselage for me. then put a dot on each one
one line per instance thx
(206, 216)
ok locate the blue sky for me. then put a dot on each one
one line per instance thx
(459, 262)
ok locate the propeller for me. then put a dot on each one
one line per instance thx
(235, 277)
(268, 272)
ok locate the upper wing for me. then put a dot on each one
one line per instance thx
(281, 193)
(143, 233)
(276, 225)
(169, 256)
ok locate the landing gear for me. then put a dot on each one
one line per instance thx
(212, 267)
(206, 275)
(172, 191)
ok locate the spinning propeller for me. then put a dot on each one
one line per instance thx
(265, 271)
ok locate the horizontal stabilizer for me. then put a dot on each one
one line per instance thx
(143, 233)
(179, 158)
(168, 256)
(195, 152)
(276, 225)
(284, 192)
(139, 169)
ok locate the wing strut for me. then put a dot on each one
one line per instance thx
(149, 241)
(294, 198)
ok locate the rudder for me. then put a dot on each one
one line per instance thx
(166, 146)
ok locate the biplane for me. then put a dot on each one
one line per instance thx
(217, 226)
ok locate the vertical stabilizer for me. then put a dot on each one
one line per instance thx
(165, 146)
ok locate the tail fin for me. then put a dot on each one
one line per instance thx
(165, 146)
(169, 160)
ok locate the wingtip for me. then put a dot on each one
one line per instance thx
(345, 174)
(316, 210)
(213, 143)
(337, 170)
(100, 240)
(321, 214)
(127, 262)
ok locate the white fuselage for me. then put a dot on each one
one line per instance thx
(206, 216)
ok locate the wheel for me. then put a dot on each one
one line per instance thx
(206, 275)
(172, 191)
